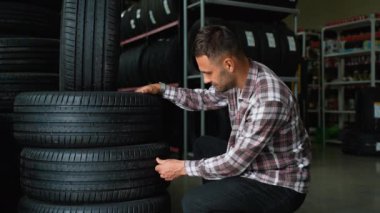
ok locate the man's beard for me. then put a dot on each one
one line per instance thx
(227, 86)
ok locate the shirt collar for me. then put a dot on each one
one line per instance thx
(250, 82)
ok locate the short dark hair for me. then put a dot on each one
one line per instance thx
(215, 40)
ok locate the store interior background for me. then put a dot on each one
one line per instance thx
(315, 14)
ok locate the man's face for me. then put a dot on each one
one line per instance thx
(215, 73)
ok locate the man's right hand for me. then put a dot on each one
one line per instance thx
(150, 89)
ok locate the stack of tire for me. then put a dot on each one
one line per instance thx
(264, 37)
(88, 148)
(90, 152)
(29, 55)
(156, 59)
(146, 15)
(272, 44)
(249, 14)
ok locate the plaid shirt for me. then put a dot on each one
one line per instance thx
(268, 142)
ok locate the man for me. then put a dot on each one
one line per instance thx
(265, 167)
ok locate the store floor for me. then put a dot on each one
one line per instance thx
(340, 184)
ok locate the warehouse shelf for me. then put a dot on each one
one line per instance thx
(149, 33)
(344, 92)
(340, 111)
(201, 5)
(247, 5)
(194, 76)
(337, 83)
(311, 105)
(353, 25)
(350, 53)
(332, 141)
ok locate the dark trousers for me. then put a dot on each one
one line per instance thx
(236, 194)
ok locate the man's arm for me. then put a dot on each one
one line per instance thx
(260, 125)
(189, 99)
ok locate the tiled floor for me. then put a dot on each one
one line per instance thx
(340, 184)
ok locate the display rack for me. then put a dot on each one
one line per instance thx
(201, 4)
(337, 110)
(312, 57)
(149, 33)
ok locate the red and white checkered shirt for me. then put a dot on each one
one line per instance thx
(268, 141)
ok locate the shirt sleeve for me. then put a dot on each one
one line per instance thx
(260, 124)
(195, 99)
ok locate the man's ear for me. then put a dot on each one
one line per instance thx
(229, 64)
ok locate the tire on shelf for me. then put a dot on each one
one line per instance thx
(29, 55)
(9, 164)
(248, 37)
(86, 119)
(290, 52)
(246, 33)
(133, 21)
(161, 12)
(192, 64)
(240, 13)
(160, 61)
(157, 204)
(21, 19)
(92, 175)
(130, 73)
(89, 46)
(270, 50)
(13, 83)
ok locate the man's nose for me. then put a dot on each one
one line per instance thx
(206, 80)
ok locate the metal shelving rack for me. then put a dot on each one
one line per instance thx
(201, 4)
(371, 21)
(305, 35)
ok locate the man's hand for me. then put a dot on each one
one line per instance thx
(150, 89)
(170, 169)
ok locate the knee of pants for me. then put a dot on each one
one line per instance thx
(192, 203)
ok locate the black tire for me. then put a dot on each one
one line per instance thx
(29, 55)
(9, 164)
(20, 19)
(13, 83)
(290, 51)
(129, 74)
(158, 204)
(95, 175)
(269, 42)
(86, 119)
(160, 61)
(89, 46)
(55, 5)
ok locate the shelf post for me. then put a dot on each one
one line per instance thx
(372, 18)
(185, 74)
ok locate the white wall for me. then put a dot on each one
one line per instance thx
(315, 13)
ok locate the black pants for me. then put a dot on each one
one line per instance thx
(236, 194)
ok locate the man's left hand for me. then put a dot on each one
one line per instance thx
(170, 169)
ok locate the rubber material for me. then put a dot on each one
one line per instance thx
(158, 204)
(21, 19)
(89, 46)
(29, 55)
(92, 175)
(86, 119)
(13, 83)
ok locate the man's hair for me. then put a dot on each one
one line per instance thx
(215, 40)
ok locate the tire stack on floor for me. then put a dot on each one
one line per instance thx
(29, 55)
(90, 152)
(86, 147)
